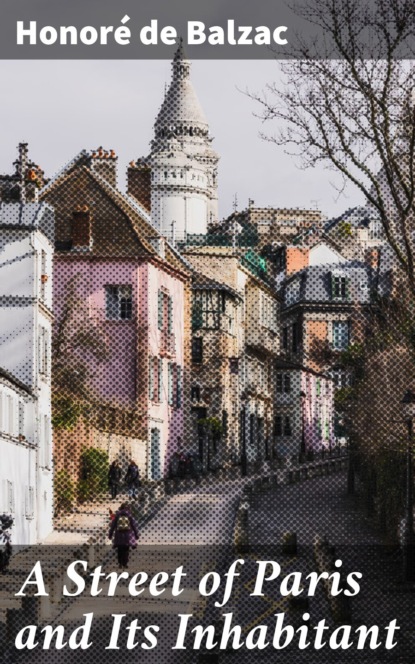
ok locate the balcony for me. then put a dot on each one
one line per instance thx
(167, 343)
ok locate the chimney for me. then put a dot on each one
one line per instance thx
(372, 258)
(104, 163)
(297, 258)
(81, 227)
(139, 183)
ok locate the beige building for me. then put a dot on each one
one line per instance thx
(235, 341)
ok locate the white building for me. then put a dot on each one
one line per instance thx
(26, 252)
(183, 164)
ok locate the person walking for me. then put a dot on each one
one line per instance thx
(114, 479)
(132, 479)
(124, 533)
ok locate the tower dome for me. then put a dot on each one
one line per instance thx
(182, 160)
(181, 112)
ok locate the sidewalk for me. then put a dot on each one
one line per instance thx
(321, 506)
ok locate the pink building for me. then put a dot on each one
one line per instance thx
(304, 410)
(120, 294)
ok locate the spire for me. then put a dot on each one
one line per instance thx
(181, 114)
(181, 64)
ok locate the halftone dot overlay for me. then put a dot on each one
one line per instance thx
(178, 393)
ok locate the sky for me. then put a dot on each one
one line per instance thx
(60, 107)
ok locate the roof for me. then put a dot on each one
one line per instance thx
(28, 215)
(205, 283)
(314, 284)
(359, 216)
(137, 216)
(282, 363)
(6, 375)
(181, 105)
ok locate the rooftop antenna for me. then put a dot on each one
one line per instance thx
(21, 168)
(235, 202)
(316, 201)
(173, 233)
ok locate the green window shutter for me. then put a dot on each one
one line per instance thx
(160, 380)
(197, 315)
(327, 430)
(151, 379)
(170, 314)
(170, 384)
(179, 387)
(318, 387)
(332, 286)
(160, 310)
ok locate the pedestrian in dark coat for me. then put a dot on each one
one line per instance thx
(132, 479)
(114, 479)
(124, 533)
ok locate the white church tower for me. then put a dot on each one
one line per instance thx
(182, 166)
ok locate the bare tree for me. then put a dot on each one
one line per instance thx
(79, 343)
(347, 101)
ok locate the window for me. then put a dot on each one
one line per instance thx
(197, 350)
(341, 334)
(29, 502)
(195, 393)
(283, 383)
(160, 380)
(21, 418)
(179, 386)
(326, 430)
(156, 379)
(234, 365)
(165, 312)
(252, 430)
(43, 276)
(119, 302)
(292, 292)
(43, 351)
(10, 496)
(338, 287)
(278, 426)
(318, 387)
(341, 377)
(8, 415)
(294, 337)
(212, 309)
(269, 313)
(287, 426)
(285, 338)
(45, 441)
(224, 423)
(171, 371)
(175, 386)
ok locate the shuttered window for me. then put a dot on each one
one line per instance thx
(179, 386)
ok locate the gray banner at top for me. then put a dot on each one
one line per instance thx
(217, 29)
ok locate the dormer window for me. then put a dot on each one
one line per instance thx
(339, 286)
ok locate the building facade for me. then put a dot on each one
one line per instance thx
(237, 368)
(325, 310)
(304, 411)
(120, 292)
(26, 255)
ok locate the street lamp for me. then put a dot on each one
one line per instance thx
(408, 404)
(244, 460)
